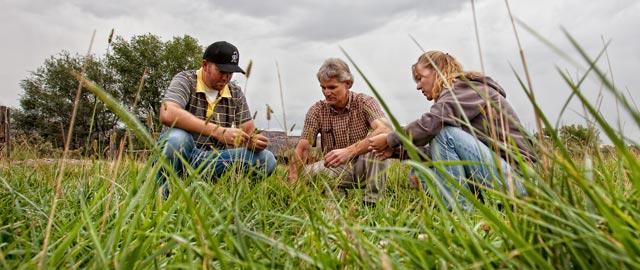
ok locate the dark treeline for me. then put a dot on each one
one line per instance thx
(49, 91)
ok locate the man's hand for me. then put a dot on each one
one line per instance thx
(337, 157)
(298, 159)
(258, 142)
(293, 172)
(232, 136)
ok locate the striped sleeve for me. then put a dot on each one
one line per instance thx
(178, 91)
(242, 113)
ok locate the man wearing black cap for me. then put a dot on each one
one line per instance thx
(207, 121)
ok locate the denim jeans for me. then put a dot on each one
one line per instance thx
(455, 144)
(179, 145)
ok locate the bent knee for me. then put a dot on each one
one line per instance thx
(176, 139)
(177, 136)
(268, 160)
(449, 136)
(449, 132)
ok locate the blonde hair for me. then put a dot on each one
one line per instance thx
(446, 64)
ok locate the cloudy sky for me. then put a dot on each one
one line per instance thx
(299, 35)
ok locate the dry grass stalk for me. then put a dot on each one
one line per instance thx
(490, 110)
(135, 104)
(284, 113)
(247, 74)
(45, 244)
(613, 83)
(525, 67)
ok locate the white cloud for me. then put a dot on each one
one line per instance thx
(301, 34)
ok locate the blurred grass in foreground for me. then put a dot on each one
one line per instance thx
(582, 212)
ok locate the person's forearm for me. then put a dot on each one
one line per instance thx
(362, 146)
(182, 119)
(298, 160)
(359, 148)
(301, 156)
(385, 127)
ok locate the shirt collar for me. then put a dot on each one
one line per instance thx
(346, 108)
(201, 87)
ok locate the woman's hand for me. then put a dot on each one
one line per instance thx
(378, 143)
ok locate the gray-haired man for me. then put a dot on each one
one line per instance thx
(343, 119)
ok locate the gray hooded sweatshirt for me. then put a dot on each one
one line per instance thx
(469, 93)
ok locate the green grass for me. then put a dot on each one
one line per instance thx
(238, 223)
(582, 212)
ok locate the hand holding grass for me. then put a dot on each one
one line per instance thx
(258, 142)
(293, 172)
(298, 159)
(232, 136)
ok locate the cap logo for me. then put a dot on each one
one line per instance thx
(234, 57)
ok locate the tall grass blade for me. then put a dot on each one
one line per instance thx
(54, 204)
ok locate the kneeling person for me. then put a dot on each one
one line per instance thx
(343, 119)
(458, 129)
(207, 119)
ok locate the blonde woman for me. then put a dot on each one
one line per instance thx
(457, 127)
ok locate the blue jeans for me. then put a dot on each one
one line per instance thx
(455, 144)
(180, 149)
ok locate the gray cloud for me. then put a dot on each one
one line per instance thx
(328, 21)
(300, 34)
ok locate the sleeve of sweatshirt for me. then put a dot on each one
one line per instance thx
(444, 112)
(423, 129)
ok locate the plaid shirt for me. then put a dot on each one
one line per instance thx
(341, 129)
(231, 108)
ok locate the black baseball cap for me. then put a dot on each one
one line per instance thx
(224, 55)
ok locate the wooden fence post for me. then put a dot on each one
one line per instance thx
(5, 128)
(113, 146)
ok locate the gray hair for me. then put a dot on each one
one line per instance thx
(334, 68)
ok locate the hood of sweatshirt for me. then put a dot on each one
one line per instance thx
(489, 81)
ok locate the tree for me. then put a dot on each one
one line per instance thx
(576, 138)
(579, 135)
(161, 60)
(49, 94)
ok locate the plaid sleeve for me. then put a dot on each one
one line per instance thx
(178, 90)
(372, 109)
(311, 124)
(242, 113)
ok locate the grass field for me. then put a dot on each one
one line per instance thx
(237, 223)
(582, 212)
